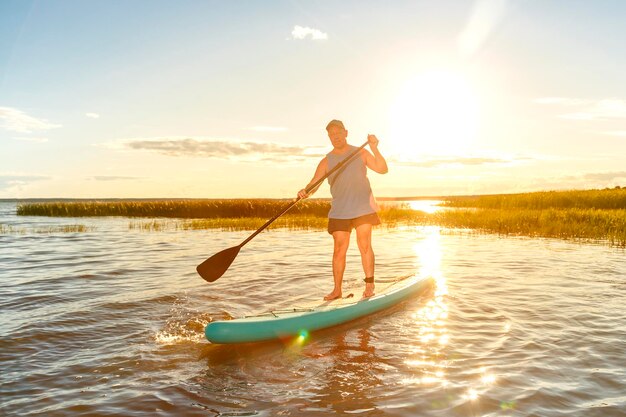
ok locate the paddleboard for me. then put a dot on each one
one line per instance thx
(316, 315)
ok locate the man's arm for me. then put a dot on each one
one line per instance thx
(321, 170)
(375, 162)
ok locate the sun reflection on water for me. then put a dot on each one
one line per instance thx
(429, 357)
(432, 355)
(427, 206)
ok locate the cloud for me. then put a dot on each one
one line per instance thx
(583, 109)
(588, 180)
(462, 161)
(18, 121)
(605, 176)
(17, 181)
(273, 129)
(561, 100)
(221, 149)
(92, 115)
(113, 178)
(619, 133)
(300, 32)
(32, 139)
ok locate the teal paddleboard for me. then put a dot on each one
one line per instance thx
(318, 315)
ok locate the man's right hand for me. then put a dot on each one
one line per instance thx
(302, 193)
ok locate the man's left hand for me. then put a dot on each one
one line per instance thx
(372, 140)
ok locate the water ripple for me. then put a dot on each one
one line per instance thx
(110, 322)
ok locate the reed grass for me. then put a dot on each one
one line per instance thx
(590, 215)
(610, 199)
(579, 224)
(68, 228)
(188, 209)
(231, 224)
(598, 215)
(576, 224)
(390, 217)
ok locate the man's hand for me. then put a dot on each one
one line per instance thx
(302, 194)
(372, 140)
(375, 162)
(320, 171)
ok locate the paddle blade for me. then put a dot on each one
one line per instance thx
(216, 265)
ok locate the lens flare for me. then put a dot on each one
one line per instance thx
(302, 337)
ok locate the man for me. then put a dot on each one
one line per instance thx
(353, 204)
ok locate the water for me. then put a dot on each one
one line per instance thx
(110, 322)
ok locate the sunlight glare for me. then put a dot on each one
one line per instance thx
(427, 206)
(488, 379)
(428, 252)
(435, 113)
(471, 394)
(433, 337)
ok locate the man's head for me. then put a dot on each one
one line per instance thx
(337, 133)
(335, 122)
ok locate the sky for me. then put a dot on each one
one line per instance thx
(230, 99)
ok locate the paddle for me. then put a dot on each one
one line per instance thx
(216, 265)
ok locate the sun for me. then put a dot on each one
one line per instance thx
(435, 114)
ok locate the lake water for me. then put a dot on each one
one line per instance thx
(110, 322)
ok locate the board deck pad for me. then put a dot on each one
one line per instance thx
(309, 315)
(356, 289)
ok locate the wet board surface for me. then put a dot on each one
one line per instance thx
(306, 316)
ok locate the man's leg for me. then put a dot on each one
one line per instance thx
(342, 241)
(364, 240)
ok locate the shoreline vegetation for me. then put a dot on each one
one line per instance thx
(584, 215)
(66, 228)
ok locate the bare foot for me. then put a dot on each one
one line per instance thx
(332, 296)
(369, 290)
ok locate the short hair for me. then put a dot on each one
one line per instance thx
(335, 122)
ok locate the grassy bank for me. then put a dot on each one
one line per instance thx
(608, 226)
(609, 199)
(390, 217)
(68, 228)
(589, 215)
(579, 224)
(596, 215)
(187, 209)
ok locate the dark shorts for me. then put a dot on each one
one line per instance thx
(346, 225)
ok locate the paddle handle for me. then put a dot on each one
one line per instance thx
(307, 189)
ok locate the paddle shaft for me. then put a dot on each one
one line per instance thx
(308, 190)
